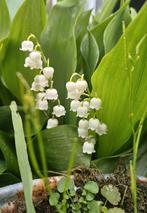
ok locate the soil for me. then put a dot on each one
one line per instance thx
(119, 178)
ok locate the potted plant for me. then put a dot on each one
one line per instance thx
(79, 85)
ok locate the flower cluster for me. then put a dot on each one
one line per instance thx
(43, 81)
(89, 125)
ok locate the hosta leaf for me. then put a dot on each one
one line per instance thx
(9, 154)
(23, 24)
(90, 52)
(59, 43)
(112, 82)
(111, 193)
(114, 29)
(59, 144)
(4, 20)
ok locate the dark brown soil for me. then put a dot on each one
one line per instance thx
(119, 178)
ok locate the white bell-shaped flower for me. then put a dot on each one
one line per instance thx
(70, 86)
(59, 111)
(41, 80)
(81, 85)
(51, 123)
(36, 87)
(27, 46)
(40, 95)
(48, 72)
(74, 105)
(88, 148)
(95, 103)
(42, 104)
(82, 112)
(83, 124)
(83, 133)
(75, 95)
(101, 129)
(34, 60)
(86, 104)
(93, 124)
(51, 94)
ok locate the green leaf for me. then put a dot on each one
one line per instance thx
(106, 10)
(114, 30)
(59, 43)
(80, 30)
(116, 210)
(89, 196)
(8, 152)
(90, 52)
(23, 24)
(112, 82)
(59, 144)
(94, 206)
(111, 193)
(8, 179)
(23, 161)
(54, 198)
(6, 121)
(4, 20)
(65, 184)
(3, 166)
(142, 159)
(13, 6)
(92, 187)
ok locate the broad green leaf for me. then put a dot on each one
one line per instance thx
(59, 144)
(116, 210)
(13, 6)
(114, 30)
(22, 156)
(23, 25)
(111, 193)
(80, 30)
(5, 120)
(91, 187)
(112, 83)
(99, 29)
(106, 10)
(7, 149)
(8, 179)
(3, 166)
(90, 52)
(59, 43)
(4, 20)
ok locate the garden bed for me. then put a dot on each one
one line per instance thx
(119, 178)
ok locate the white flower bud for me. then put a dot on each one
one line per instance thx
(74, 105)
(81, 85)
(101, 129)
(59, 111)
(35, 55)
(75, 95)
(88, 148)
(40, 95)
(41, 80)
(51, 94)
(83, 124)
(42, 104)
(83, 133)
(70, 86)
(37, 87)
(93, 124)
(27, 46)
(48, 72)
(86, 104)
(82, 112)
(52, 122)
(95, 103)
(34, 60)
